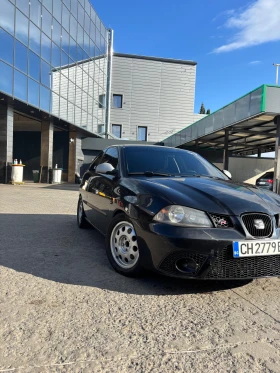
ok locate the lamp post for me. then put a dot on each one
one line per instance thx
(277, 66)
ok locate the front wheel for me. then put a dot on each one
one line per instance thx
(122, 247)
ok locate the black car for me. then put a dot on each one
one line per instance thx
(266, 181)
(171, 211)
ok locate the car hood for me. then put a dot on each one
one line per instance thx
(216, 195)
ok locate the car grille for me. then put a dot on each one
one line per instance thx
(169, 263)
(249, 222)
(221, 221)
(228, 267)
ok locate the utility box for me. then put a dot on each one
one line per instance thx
(56, 175)
(17, 174)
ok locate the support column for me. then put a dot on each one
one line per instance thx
(75, 155)
(6, 142)
(276, 181)
(46, 150)
(226, 154)
(259, 152)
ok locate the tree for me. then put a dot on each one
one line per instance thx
(202, 109)
(208, 111)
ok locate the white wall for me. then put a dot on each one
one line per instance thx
(156, 94)
(247, 169)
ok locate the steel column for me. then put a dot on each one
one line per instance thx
(110, 34)
(226, 152)
(277, 156)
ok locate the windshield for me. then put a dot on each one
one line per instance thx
(161, 160)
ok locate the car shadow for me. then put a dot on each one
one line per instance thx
(63, 186)
(54, 248)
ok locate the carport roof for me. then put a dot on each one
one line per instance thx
(249, 121)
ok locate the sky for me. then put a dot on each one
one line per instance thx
(234, 42)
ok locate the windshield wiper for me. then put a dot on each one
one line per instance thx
(149, 173)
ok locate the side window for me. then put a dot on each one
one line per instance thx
(111, 156)
(96, 162)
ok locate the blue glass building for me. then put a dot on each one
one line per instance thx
(37, 39)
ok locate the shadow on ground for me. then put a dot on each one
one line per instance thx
(54, 248)
(63, 186)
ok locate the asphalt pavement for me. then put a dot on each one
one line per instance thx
(64, 309)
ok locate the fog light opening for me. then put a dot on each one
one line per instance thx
(186, 265)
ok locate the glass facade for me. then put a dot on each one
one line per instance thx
(53, 56)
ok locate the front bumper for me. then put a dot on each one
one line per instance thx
(208, 252)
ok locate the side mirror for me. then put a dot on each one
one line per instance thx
(227, 173)
(105, 168)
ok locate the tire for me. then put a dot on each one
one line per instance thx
(81, 217)
(122, 247)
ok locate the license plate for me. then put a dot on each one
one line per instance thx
(261, 182)
(256, 248)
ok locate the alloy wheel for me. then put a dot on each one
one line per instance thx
(124, 245)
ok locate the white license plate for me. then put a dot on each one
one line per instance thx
(261, 182)
(256, 248)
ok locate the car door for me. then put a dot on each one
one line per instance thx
(85, 187)
(101, 192)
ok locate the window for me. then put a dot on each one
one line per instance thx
(168, 160)
(117, 130)
(21, 27)
(34, 66)
(102, 101)
(20, 57)
(111, 156)
(7, 46)
(7, 15)
(142, 134)
(6, 73)
(117, 101)
(20, 88)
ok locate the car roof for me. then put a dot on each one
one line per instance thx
(146, 146)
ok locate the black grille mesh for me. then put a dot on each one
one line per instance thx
(221, 221)
(249, 222)
(168, 264)
(238, 268)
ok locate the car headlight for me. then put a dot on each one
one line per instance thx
(183, 216)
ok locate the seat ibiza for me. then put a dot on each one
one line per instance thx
(171, 211)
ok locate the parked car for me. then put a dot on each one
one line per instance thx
(266, 181)
(171, 211)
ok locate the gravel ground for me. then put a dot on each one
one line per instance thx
(63, 309)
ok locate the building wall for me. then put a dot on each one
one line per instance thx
(82, 90)
(40, 37)
(158, 95)
(251, 166)
(6, 141)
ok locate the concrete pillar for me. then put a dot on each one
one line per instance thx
(226, 154)
(6, 142)
(75, 155)
(46, 150)
(259, 152)
(276, 181)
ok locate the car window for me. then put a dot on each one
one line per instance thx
(168, 160)
(111, 156)
(268, 175)
(96, 161)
